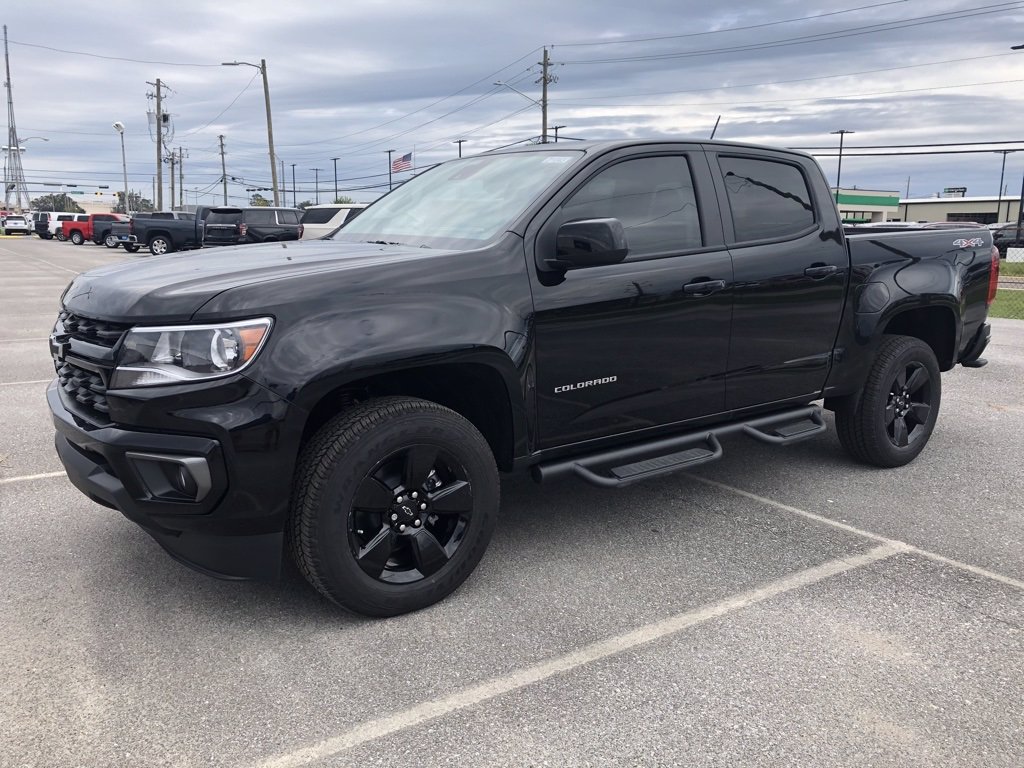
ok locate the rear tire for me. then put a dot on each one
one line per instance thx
(131, 247)
(393, 506)
(60, 236)
(160, 245)
(110, 241)
(891, 421)
(76, 237)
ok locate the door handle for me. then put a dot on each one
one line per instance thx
(821, 270)
(704, 287)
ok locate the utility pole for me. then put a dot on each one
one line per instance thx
(390, 153)
(1002, 173)
(181, 178)
(317, 171)
(460, 142)
(159, 146)
(335, 160)
(544, 79)
(223, 169)
(294, 204)
(172, 159)
(284, 190)
(555, 129)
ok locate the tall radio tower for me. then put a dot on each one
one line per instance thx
(14, 175)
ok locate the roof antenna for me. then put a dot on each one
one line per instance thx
(716, 127)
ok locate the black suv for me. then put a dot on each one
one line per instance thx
(231, 226)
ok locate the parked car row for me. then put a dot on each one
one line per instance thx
(168, 231)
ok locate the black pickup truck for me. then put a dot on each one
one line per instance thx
(160, 231)
(608, 311)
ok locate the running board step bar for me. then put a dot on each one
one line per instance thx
(621, 467)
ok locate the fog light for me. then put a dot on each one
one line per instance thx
(172, 478)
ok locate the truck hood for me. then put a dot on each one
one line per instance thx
(172, 288)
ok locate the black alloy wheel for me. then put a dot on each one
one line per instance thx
(410, 514)
(909, 405)
(393, 506)
(891, 420)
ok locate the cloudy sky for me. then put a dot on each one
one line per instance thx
(353, 80)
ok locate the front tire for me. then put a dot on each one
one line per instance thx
(131, 247)
(892, 420)
(394, 504)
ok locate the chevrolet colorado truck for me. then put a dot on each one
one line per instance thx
(608, 311)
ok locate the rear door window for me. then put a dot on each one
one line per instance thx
(769, 200)
(288, 217)
(226, 217)
(260, 218)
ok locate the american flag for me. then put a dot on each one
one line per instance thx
(403, 163)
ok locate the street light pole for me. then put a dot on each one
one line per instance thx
(119, 127)
(262, 67)
(839, 170)
(335, 161)
(293, 186)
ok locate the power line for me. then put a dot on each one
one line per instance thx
(726, 29)
(869, 29)
(111, 58)
(571, 101)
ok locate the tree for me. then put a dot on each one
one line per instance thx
(259, 200)
(56, 202)
(343, 200)
(136, 202)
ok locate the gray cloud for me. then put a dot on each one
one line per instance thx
(354, 80)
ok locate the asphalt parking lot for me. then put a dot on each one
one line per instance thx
(779, 607)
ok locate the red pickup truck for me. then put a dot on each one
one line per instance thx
(95, 228)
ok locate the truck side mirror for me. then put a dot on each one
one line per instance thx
(589, 243)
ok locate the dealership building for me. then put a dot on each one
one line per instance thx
(859, 206)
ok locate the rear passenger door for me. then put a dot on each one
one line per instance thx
(791, 268)
(643, 343)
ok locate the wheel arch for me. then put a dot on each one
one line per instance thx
(936, 326)
(476, 390)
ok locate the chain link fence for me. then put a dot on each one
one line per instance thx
(1010, 295)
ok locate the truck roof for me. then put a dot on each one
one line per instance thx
(605, 146)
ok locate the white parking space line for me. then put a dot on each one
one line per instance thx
(431, 710)
(19, 383)
(984, 572)
(23, 257)
(26, 478)
(15, 341)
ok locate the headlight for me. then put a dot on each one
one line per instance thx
(184, 353)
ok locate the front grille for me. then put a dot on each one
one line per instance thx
(93, 331)
(85, 387)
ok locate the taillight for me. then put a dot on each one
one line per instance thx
(242, 229)
(993, 277)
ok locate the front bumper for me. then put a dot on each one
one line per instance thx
(213, 519)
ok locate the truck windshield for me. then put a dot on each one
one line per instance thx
(459, 204)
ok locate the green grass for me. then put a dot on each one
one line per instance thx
(1012, 268)
(1009, 304)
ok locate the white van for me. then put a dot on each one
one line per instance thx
(320, 220)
